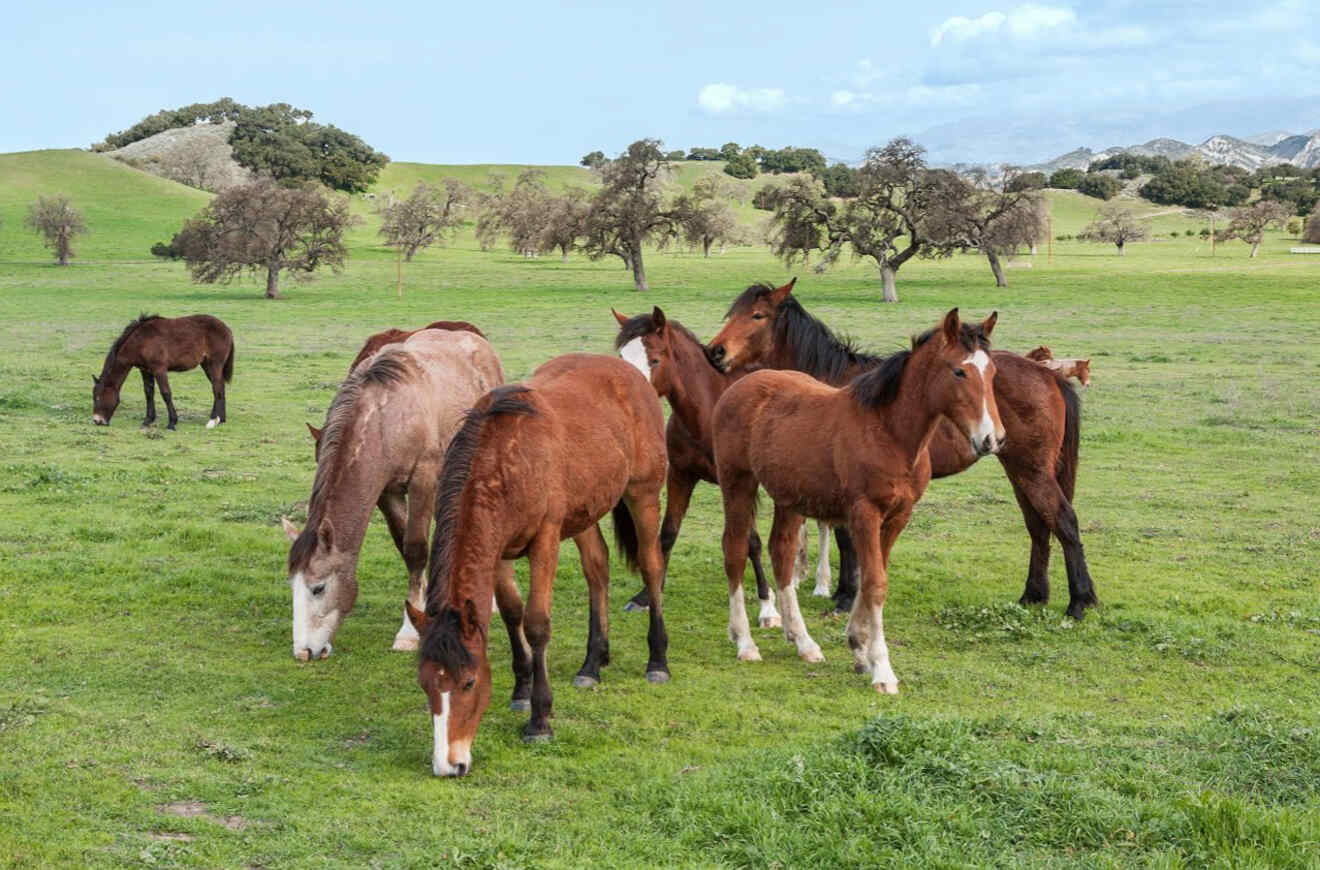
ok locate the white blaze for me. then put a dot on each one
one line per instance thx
(634, 352)
(306, 636)
(440, 753)
(985, 427)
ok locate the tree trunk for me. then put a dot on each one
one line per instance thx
(399, 286)
(705, 245)
(639, 273)
(888, 275)
(272, 282)
(1033, 249)
(563, 255)
(1255, 248)
(996, 268)
(1120, 248)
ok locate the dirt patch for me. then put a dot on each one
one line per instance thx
(195, 810)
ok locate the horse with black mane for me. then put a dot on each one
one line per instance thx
(535, 463)
(1041, 413)
(156, 346)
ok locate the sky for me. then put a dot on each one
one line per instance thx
(547, 82)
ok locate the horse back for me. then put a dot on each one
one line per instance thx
(177, 343)
(1031, 406)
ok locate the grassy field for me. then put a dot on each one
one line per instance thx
(151, 714)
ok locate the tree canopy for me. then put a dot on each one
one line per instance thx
(57, 221)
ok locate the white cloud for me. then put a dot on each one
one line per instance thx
(1023, 22)
(842, 98)
(718, 98)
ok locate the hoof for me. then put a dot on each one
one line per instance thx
(886, 688)
(520, 705)
(657, 677)
(821, 592)
(538, 736)
(750, 654)
(1028, 598)
(859, 668)
(303, 655)
(582, 681)
(634, 607)
(405, 643)
(812, 655)
(213, 422)
(770, 622)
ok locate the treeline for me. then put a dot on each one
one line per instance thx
(279, 141)
(746, 163)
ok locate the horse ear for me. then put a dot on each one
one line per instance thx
(316, 433)
(290, 530)
(418, 618)
(326, 533)
(623, 321)
(657, 319)
(781, 293)
(988, 325)
(472, 618)
(951, 326)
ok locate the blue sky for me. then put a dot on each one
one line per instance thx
(981, 80)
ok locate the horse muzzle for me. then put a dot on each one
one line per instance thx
(987, 446)
(99, 420)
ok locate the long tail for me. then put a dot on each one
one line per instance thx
(1066, 472)
(625, 535)
(229, 362)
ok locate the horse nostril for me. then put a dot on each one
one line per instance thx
(717, 352)
(460, 769)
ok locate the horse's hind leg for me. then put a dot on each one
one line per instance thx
(215, 373)
(848, 571)
(596, 567)
(822, 589)
(163, 381)
(783, 550)
(395, 510)
(643, 504)
(1055, 513)
(149, 387)
(510, 605)
(739, 492)
(1037, 589)
(769, 617)
(678, 495)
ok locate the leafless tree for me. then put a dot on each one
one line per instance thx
(264, 226)
(1249, 222)
(428, 216)
(519, 213)
(197, 163)
(705, 215)
(996, 222)
(1311, 234)
(628, 211)
(55, 218)
(565, 220)
(1114, 223)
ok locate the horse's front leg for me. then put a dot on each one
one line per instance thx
(510, 604)
(149, 387)
(784, 539)
(163, 381)
(874, 536)
(543, 555)
(394, 508)
(679, 484)
(739, 518)
(596, 568)
(215, 374)
(823, 563)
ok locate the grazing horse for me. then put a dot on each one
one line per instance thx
(383, 444)
(1041, 411)
(674, 361)
(854, 456)
(156, 346)
(394, 336)
(1068, 368)
(533, 464)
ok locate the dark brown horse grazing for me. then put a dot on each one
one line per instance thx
(393, 336)
(854, 456)
(158, 345)
(533, 464)
(674, 361)
(1041, 412)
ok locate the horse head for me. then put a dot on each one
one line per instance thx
(105, 398)
(960, 379)
(749, 331)
(454, 672)
(324, 585)
(644, 342)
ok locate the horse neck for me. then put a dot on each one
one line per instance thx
(477, 549)
(910, 418)
(115, 370)
(835, 361)
(698, 387)
(347, 491)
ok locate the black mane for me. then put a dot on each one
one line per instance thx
(128, 330)
(818, 350)
(443, 643)
(641, 325)
(878, 386)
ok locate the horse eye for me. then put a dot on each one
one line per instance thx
(318, 589)
(654, 362)
(959, 373)
(758, 316)
(471, 681)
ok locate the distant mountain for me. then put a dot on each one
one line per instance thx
(1263, 149)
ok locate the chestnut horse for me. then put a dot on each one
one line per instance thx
(674, 361)
(1068, 368)
(393, 336)
(156, 346)
(533, 464)
(1041, 411)
(854, 456)
(383, 444)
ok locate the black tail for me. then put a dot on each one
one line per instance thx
(625, 535)
(1066, 472)
(229, 362)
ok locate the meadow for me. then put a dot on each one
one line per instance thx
(151, 713)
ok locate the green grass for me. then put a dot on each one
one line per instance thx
(144, 611)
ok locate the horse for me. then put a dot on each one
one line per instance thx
(1068, 368)
(674, 361)
(853, 456)
(156, 346)
(535, 463)
(383, 444)
(394, 336)
(1042, 415)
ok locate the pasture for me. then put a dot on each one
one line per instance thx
(151, 712)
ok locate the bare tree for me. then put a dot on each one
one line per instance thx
(428, 216)
(1115, 224)
(968, 214)
(196, 162)
(565, 220)
(1249, 222)
(55, 218)
(519, 213)
(1311, 234)
(628, 212)
(264, 226)
(705, 215)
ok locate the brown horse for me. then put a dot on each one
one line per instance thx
(1041, 411)
(383, 444)
(854, 456)
(536, 463)
(1068, 368)
(394, 336)
(674, 361)
(156, 346)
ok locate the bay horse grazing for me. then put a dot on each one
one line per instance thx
(674, 361)
(1041, 413)
(383, 444)
(1068, 368)
(158, 345)
(854, 456)
(535, 463)
(393, 336)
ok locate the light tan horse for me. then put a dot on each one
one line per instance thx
(383, 444)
